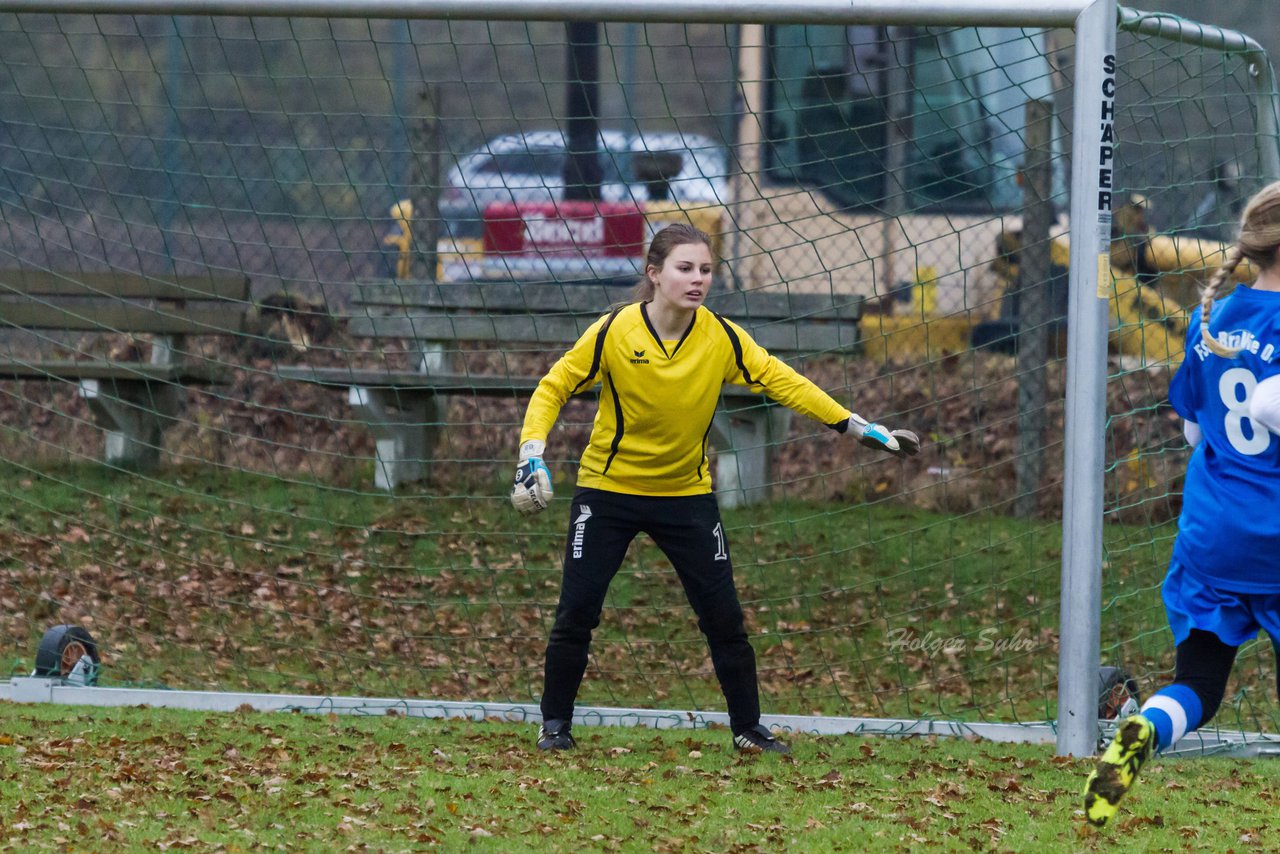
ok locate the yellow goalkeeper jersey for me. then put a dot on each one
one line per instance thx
(657, 398)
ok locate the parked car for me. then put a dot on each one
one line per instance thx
(529, 167)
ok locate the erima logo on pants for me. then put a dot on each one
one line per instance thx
(580, 528)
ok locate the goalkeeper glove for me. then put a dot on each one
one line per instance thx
(531, 492)
(900, 443)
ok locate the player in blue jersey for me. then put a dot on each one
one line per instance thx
(1223, 583)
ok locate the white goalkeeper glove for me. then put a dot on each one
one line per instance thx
(531, 492)
(900, 443)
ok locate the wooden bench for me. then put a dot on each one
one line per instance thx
(132, 399)
(403, 408)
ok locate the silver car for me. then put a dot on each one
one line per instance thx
(529, 167)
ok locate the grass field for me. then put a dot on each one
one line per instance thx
(83, 779)
(214, 580)
(232, 581)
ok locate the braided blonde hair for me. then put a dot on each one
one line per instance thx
(1258, 241)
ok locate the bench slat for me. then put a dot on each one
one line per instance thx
(206, 373)
(502, 297)
(518, 297)
(123, 317)
(484, 385)
(116, 284)
(559, 331)
(745, 306)
(410, 380)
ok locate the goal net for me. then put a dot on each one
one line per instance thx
(223, 511)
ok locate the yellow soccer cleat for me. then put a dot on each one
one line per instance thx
(1118, 769)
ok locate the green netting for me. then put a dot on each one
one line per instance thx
(241, 542)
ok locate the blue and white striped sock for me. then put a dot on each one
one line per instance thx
(1174, 710)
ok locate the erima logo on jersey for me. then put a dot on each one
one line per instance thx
(580, 528)
(639, 358)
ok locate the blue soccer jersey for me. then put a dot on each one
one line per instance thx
(1229, 530)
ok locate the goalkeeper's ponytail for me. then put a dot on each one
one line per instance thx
(1258, 242)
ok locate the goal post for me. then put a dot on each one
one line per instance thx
(1092, 176)
(158, 154)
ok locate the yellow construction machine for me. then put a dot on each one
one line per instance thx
(1156, 281)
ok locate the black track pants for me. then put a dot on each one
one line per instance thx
(689, 532)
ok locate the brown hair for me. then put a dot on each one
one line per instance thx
(1258, 241)
(676, 234)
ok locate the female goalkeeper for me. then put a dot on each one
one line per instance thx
(661, 362)
(1223, 583)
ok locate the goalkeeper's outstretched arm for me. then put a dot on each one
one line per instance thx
(786, 385)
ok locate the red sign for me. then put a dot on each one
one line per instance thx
(564, 230)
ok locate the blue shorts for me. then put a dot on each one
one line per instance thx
(1233, 617)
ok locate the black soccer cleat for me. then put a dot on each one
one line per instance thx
(758, 740)
(555, 735)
